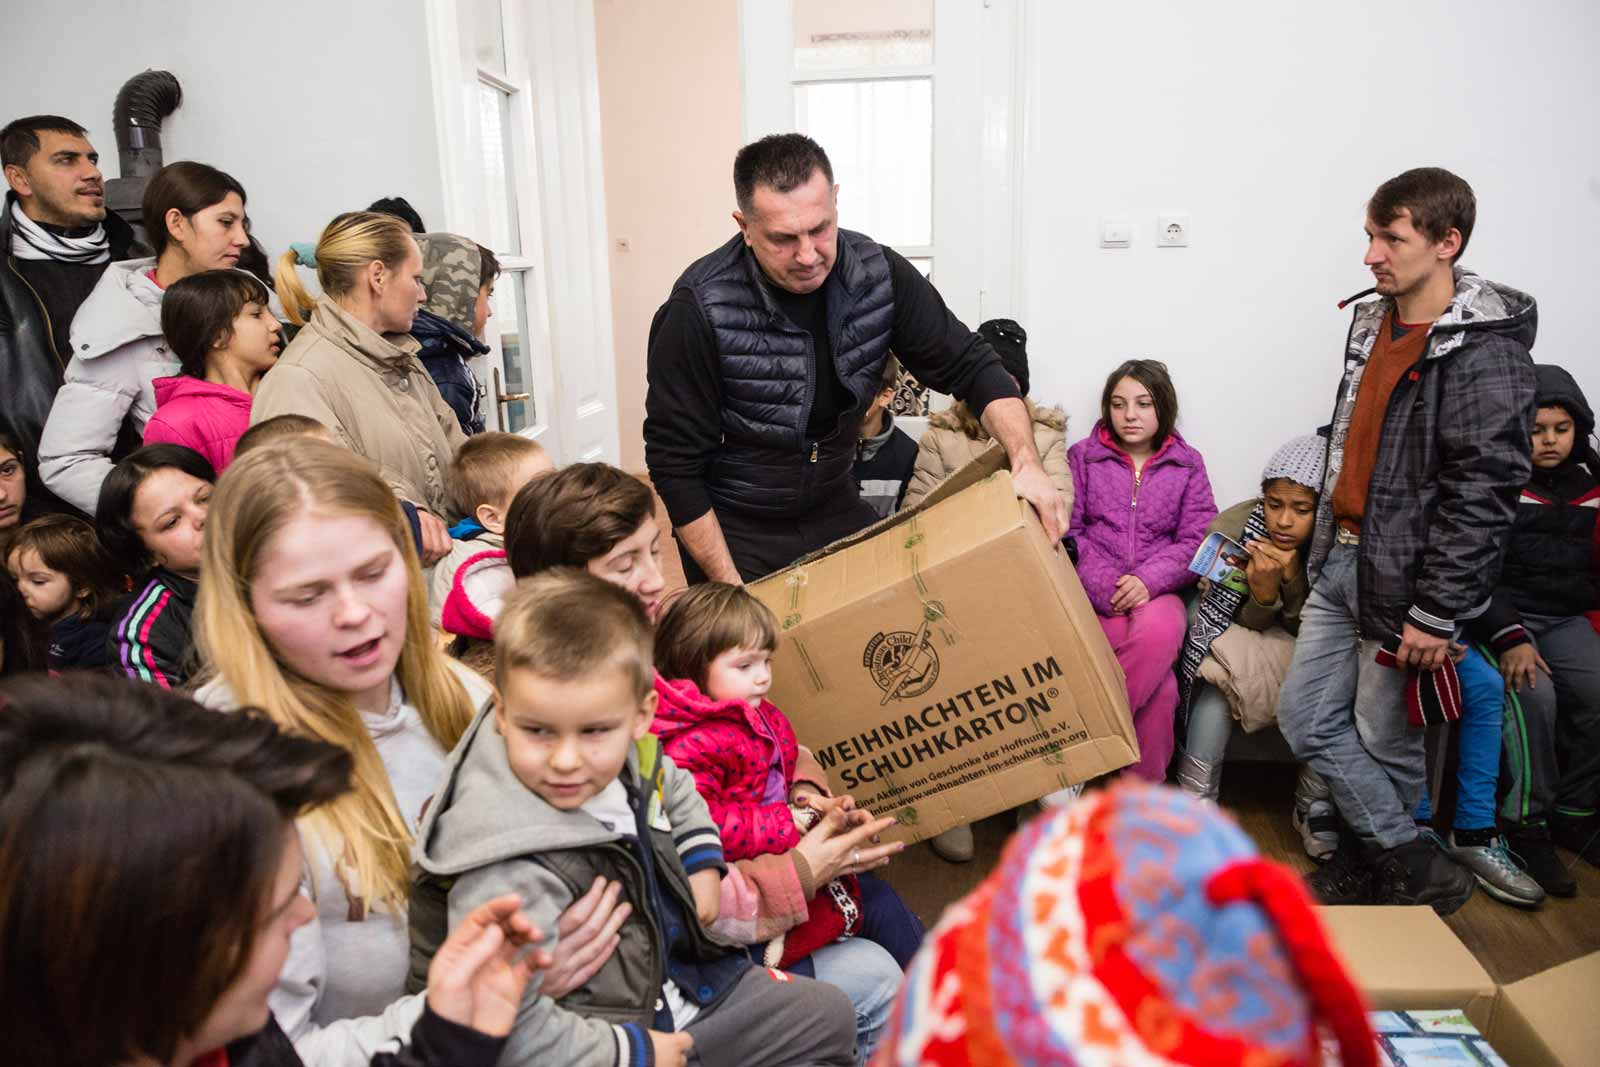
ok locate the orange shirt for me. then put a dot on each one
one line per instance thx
(1390, 359)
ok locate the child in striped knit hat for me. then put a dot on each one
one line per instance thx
(1138, 927)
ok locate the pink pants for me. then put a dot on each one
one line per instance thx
(1147, 642)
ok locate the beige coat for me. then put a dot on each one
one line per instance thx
(954, 438)
(373, 392)
(1249, 667)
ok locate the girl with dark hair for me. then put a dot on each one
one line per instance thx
(152, 516)
(68, 582)
(13, 487)
(1141, 510)
(195, 217)
(106, 791)
(220, 326)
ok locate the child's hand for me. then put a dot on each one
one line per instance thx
(1130, 593)
(478, 975)
(707, 888)
(1518, 665)
(1268, 567)
(672, 1050)
(807, 796)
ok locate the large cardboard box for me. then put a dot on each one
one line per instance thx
(1407, 958)
(945, 664)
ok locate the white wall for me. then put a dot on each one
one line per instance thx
(1271, 123)
(315, 107)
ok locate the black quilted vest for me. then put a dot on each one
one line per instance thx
(766, 465)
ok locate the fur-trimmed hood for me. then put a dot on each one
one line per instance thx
(959, 417)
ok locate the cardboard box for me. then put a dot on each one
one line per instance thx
(944, 664)
(1407, 958)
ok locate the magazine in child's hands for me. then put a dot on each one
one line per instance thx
(1223, 561)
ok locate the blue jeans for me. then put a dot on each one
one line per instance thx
(1483, 697)
(1345, 714)
(865, 972)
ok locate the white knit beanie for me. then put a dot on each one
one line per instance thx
(1300, 461)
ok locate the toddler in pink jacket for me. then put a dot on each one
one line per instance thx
(218, 325)
(1141, 509)
(714, 650)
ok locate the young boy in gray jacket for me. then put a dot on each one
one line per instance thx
(561, 781)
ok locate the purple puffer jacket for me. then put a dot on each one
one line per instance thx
(1152, 535)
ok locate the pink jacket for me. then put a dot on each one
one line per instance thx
(198, 414)
(1150, 531)
(480, 588)
(728, 747)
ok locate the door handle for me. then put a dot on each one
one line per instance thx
(506, 398)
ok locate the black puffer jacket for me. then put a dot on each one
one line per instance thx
(445, 350)
(1453, 453)
(1550, 566)
(765, 464)
(30, 364)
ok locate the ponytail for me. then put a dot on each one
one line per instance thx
(347, 245)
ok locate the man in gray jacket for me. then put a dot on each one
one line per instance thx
(1429, 449)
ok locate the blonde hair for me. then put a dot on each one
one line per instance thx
(482, 470)
(363, 830)
(567, 624)
(347, 245)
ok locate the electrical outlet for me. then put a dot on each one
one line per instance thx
(1172, 231)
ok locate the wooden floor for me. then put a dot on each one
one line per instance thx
(1509, 942)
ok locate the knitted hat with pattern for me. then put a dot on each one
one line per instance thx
(1137, 928)
(1300, 460)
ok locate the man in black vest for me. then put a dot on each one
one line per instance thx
(765, 356)
(56, 239)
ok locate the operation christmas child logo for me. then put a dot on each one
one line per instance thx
(904, 664)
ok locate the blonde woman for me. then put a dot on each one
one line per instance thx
(354, 367)
(313, 608)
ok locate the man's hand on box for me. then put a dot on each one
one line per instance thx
(1034, 485)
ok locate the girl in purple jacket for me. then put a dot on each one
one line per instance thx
(222, 332)
(1141, 510)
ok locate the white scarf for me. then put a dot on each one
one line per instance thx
(29, 240)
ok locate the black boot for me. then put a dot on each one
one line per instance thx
(1418, 872)
(1580, 834)
(1347, 876)
(1532, 845)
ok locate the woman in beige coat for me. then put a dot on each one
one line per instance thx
(353, 366)
(954, 438)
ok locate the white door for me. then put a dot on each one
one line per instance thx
(517, 102)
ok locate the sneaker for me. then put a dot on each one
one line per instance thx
(1531, 842)
(955, 845)
(1419, 873)
(1581, 835)
(1497, 871)
(1347, 877)
(1317, 823)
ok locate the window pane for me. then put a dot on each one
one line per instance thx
(879, 137)
(848, 34)
(488, 35)
(516, 348)
(494, 123)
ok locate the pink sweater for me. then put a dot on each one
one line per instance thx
(201, 415)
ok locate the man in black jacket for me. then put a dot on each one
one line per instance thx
(1428, 451)
(764, 358)
(57, 239)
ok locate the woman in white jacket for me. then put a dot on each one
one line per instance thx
(195, 216)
